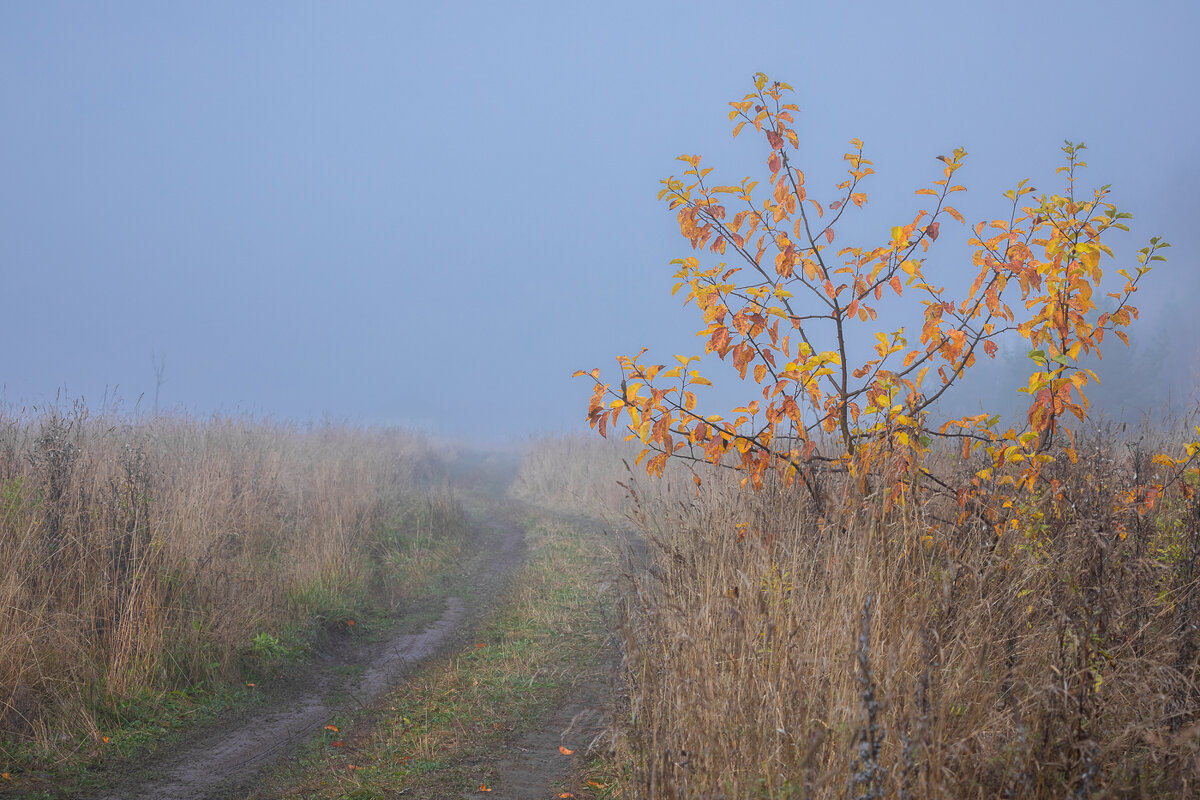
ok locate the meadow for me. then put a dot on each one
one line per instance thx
(875, 650)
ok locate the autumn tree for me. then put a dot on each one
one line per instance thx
(779, 295)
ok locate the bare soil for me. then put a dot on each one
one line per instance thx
(532, 765)
(225, 758)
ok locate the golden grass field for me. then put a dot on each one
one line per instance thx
(770, 653)
(765, 652)
(144, 558)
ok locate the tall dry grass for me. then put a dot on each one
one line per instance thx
(773, 654)
(580, 474)
(140, 557)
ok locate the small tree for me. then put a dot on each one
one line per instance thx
(783, 313)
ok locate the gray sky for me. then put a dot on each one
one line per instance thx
(431, 213)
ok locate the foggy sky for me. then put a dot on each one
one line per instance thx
(430, 214)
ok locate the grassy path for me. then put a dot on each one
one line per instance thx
(511, 714)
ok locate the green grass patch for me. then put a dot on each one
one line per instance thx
(130, 728)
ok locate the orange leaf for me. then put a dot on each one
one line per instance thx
(897, 287)
(483, 788)
(333, 728)
(564, 750)
(719, 341)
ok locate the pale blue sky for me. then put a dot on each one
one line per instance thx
(431, 213)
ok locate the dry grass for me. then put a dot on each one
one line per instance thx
(140, 558)
(576, 474)
(773, 654)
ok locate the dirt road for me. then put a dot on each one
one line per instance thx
(224, 759)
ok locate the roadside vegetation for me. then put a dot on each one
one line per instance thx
(774, 653)
(861, 595)
(156, 569)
